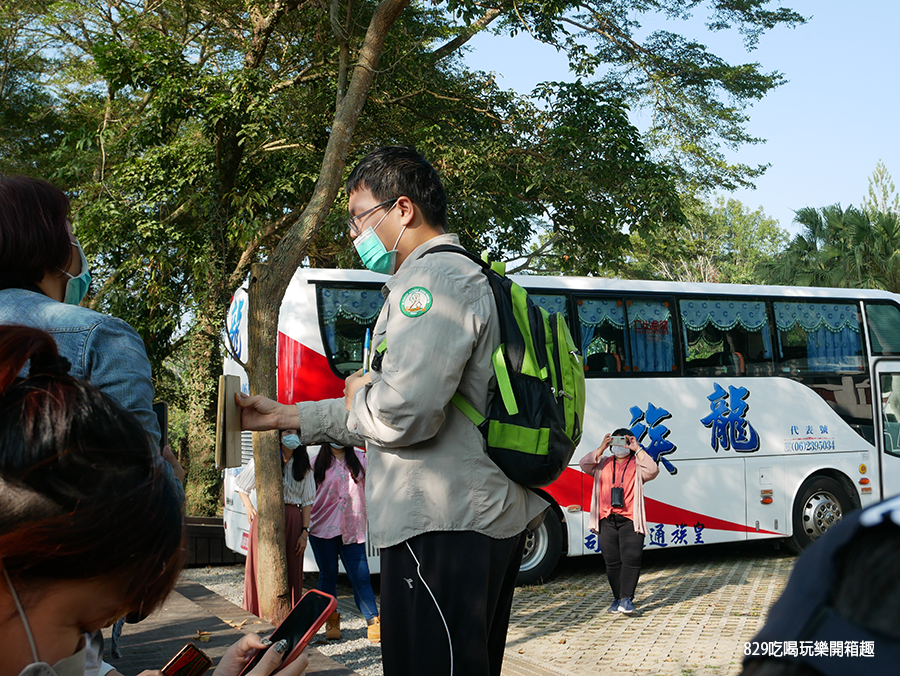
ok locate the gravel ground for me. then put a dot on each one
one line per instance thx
(353, 650)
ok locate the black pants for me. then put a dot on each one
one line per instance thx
(472, 578)
(622, 549)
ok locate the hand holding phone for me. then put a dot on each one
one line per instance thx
(299, 626)
(618, 441)
(190, 661)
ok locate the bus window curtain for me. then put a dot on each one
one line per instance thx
(832, 333)
(650, 336)
(726, 315)
(593, 313)
(359, 305)
(829, 350)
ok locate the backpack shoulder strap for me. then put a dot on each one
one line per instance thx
(499, 268)
(499, 362)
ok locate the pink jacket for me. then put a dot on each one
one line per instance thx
(647, 470)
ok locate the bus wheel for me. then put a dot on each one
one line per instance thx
(543, 547)
(821, 503)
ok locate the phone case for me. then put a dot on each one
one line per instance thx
(190, 661)
(299, 626)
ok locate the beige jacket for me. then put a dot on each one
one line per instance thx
(427, 465)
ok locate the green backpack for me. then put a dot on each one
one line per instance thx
(535, 418)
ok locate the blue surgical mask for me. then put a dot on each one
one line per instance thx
(77, 286)
(290, 441)
(372, 252)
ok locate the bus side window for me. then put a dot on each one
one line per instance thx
(726, 337)
(650, 342)
(818, 337)
(602, 324)
(551, 303)
(345, 314)
(884, 328)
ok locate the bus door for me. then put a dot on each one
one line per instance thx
(886, 389)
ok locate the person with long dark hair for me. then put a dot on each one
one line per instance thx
(339, 530)
(44, 276)
(91, 528)
(299, 493)
(617, 510)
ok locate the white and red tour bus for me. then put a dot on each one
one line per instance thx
(772, 411)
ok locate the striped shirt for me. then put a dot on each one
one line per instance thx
(300, 493)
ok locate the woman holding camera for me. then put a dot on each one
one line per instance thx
(617, 510)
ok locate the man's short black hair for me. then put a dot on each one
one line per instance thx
(395, 171)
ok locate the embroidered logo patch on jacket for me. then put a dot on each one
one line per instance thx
(415, 301)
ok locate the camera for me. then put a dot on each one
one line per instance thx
(617, 496)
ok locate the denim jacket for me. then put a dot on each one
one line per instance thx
(103, 350)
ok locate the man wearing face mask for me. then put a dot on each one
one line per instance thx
(448, 522)
(617, 510)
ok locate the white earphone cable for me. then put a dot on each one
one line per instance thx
(446, 628)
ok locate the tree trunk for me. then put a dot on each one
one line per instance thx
(267, 287)
(271, 578)
(202, 480)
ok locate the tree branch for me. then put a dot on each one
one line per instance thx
(467, 34)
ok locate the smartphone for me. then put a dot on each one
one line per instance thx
(618, 441)
(299, 626)
(190, 661)
(161, 409)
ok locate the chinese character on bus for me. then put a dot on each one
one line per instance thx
(658, 536)
(698, 533)
(679, 534)
(234, 326)
(729, 425)
(659, 445)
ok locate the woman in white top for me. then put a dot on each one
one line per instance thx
(299, 495)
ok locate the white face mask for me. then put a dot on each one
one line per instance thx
(74, 665)
(620, 451)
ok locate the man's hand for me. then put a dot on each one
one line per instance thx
(260, 413)
(352, 384)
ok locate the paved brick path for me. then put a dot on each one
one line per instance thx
(697, 608)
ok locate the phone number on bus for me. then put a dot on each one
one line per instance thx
(801, 445)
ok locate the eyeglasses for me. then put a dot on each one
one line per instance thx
(351, 222)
